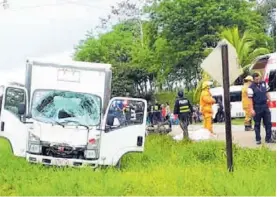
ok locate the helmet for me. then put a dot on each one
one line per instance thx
(206, 84)
(248, 78)
(180, 93)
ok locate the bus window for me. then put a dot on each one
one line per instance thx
(217, 98)
(235, 96)
(272, 81)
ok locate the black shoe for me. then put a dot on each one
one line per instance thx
(258, 142)
(269, 141)
(247, 128)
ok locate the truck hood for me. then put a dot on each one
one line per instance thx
(72, 135)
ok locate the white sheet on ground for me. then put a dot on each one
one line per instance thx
(197, 135)
(201, 134)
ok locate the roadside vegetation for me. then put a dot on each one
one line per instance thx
(158, 46)
(165, 168)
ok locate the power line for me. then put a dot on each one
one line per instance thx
(37, 6)
(56, 4)
(86, 5)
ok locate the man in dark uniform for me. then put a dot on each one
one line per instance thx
(150, 110)
(258, 93)
(183, 109)
(157, 113)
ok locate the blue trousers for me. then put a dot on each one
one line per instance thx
(262, 112)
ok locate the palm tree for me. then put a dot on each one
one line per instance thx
(244, 45)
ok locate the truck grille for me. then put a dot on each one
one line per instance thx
(63, 151)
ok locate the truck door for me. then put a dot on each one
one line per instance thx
(11, 127)
(124, 129)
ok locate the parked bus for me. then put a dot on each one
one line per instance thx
(235, 99)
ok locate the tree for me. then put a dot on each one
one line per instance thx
(267, 9)
(116, 47)
(189, 27)
(244, 44)
(165, 49)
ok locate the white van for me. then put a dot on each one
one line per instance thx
(266, 65)
(63, 116)
(235, 99)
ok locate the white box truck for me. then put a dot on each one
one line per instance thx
(63, 115)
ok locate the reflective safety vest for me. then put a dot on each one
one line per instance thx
(184, 106)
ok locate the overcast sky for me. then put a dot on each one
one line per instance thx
(35, 28)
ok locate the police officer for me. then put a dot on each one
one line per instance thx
(157, 113)
(258, 94)
(150, 110)
(183, 108)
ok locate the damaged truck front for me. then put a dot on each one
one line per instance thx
(63, 116)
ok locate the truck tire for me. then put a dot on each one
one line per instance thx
(118, 165)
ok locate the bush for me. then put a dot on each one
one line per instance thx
(165, 168)
(170, 97)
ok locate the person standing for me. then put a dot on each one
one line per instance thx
(150, 110)
(246, 102)
(259, 96)
(157, 113)
(163, 110)
(206, 102)
(183, 108)
(220, 111)
(168, 114)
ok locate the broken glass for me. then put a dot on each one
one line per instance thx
(55, 106)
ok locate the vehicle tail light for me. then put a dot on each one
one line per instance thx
(271, 104)
(267, 78)
(91, 141)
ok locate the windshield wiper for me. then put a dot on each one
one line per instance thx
(58, 123)
(78, 123)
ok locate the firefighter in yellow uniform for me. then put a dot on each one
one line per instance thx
(206, 102)
(246, 103)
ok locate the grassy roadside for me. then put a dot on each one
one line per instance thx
(235, 121)
(165, 168)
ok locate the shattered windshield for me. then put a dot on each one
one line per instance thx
(64, 107)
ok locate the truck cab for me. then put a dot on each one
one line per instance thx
(62, 116)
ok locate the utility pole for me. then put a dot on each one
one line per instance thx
(228, 125)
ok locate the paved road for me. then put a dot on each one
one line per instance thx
(244, 139)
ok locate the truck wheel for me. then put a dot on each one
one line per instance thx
(118, 165)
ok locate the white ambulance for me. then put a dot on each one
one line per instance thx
(235, 100)
(62, 116)
(266, 65)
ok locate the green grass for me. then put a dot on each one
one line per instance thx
(235, 121)
(165, 168)
(238, 121)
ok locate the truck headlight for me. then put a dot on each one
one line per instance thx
(34, 148)
(91, 151)
(90, 154)
(33, 138)
(34, 145)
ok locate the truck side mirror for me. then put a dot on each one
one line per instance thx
(21, 109)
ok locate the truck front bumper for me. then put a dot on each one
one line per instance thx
(53, 161)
